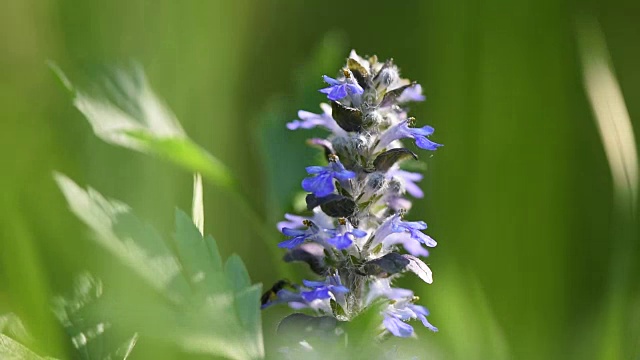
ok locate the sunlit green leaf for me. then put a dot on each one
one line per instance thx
(13, 350)
(123, 110)
(11, 325)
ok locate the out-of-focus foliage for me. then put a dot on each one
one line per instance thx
(203, 305)
(90, 332)
(13, 335)
(520, 198)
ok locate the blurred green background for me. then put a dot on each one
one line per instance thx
(520, 198)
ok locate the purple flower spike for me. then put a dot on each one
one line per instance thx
(352, 235)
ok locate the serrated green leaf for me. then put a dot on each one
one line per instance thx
(236, 273)
(214, 253)
(123, 110)
(196, 259)
(246, 301)
(209, 310)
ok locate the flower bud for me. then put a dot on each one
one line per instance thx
(387, 77)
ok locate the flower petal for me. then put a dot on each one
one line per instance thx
(419, 268)
(291, 243)
(412, 93)
(331, 81)
(338, 92)
(313, 284)
(358, 233)
(413, 246)
(319, 293)
(321, 185)
(424, 143)
(315, 169)
(292, 232)
(397, 327)
(344, 175)
(339, 289)
(423, 131)
(341, 242)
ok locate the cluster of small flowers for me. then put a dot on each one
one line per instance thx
(356, 227)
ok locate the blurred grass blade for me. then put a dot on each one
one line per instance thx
(129, 346)
(197, 207)
(611, 115)
(616, 132)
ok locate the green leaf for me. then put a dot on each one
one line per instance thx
(11, 325)
(13, 350)
(187, 154)
(199, 262)
(123, 110)
(13, 337)
(116, 229)
(246, 301)
(90, 333)
(216, 260)
(204, 308)
(236, 273)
